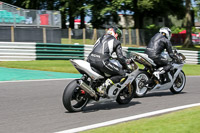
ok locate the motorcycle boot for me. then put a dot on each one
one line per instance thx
(167, 69)
(158, 72)
(149, 83)
(166, 78)
(104, 87)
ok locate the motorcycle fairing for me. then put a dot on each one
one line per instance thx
(116, 88)
(168, 85)
(85, 66)
(145, 56)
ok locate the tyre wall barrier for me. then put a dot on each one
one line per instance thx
(23, 51)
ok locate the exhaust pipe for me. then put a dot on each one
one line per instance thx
(87, 88)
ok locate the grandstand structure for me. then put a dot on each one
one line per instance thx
(15, 16)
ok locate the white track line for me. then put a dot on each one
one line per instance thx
(74, 130)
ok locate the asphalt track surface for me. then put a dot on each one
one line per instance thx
(36, 106)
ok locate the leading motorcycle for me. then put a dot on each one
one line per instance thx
(79, 92)
(153, 78)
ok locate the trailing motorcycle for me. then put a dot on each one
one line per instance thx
(152, 78)
(79, 92)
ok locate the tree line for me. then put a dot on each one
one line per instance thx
(101, 11)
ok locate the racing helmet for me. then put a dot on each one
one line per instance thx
(115, 31)
(167, 32)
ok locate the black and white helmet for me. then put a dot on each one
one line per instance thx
(167, 32)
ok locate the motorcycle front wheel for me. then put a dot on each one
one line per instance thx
(179, 83)
(139, 84)
(74, 98)
(126, 95)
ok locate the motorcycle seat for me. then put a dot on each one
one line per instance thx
(97, 71)
(101, 73)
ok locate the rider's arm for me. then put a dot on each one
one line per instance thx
(169, 49)
(120, 56)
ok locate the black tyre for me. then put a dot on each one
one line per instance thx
(74, 98)
(126, 95)
(179, 83)
(139, 84)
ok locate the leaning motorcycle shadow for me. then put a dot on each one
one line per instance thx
(161, 94)
(107, 106)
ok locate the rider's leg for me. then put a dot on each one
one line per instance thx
(165, 67)
(168, 67)
(114, 70)
(107, 84)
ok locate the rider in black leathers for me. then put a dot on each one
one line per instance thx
(100, 56)
(158, 43)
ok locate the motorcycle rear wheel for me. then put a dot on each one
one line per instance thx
(74, 98)
(126, 95)
(179, 83)
(139, 84)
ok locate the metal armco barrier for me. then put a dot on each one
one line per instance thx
(17, 51)
(21, 51)
(192, 57)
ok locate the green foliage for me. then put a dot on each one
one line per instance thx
(152, 27)
(176, 30)
(147, 4)
(195, 30)
(197, 10)
(105, 10)
(102, 11)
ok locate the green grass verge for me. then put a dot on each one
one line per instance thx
(88, 42)
(91, 42)
(191, 70)
(195, 48)
(80, 41)
(185, 121)
(44, 65)
(66, 66)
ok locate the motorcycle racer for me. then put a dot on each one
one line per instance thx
(100, 57)
(158, 43)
